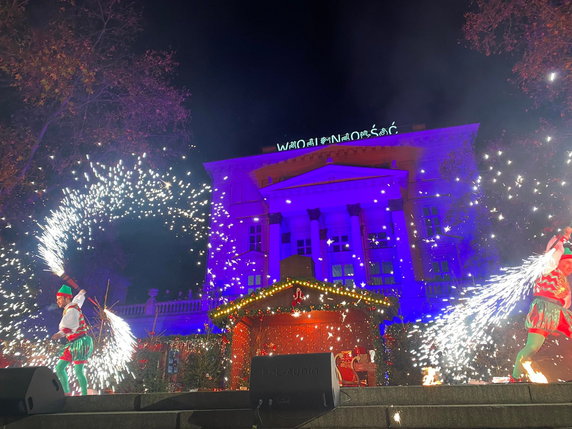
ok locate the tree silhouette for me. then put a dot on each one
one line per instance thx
(536, 34)
(75, 86)
(526, 172)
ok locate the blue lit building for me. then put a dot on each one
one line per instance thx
(394, 214)
(391, 214)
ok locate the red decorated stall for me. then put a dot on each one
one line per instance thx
(298, 316)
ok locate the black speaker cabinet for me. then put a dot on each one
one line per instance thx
(304, 381)
(33, 390)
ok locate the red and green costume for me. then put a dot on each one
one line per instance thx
(80, 345)
(549, 312)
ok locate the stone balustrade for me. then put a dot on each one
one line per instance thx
(161, 308)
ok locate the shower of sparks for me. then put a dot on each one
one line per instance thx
(453, 339)
(113, 193)
(522, 191)
(17, 304)
(109, 364)
(118, 192)
(109, 194)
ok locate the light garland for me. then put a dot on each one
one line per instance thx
(366, 297)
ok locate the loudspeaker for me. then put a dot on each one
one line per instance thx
(304, 381)
(32, 390)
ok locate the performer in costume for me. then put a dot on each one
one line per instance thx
(549, 312)
(80, 345)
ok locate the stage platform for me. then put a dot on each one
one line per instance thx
(466, 406)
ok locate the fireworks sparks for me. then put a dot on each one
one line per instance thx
(462, 330)
(510, 192)
(109, 364)
(108, 367)
(114, 193)
(109, 194)
(17, 305)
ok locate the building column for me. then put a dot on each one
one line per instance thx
(274, 247)
(409, 289)
(357, 244)
(314, 215)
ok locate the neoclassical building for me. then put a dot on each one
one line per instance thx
(394, 214)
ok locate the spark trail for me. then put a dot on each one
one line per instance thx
(17, 305)
(108, 194)
(453, 339)
(114, 193)
(109, 364)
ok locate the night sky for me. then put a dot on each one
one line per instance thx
(264, 72)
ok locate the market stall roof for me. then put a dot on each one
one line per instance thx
(291, 295)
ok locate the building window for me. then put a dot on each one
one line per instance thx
(255, 238)
(378, 240)
(285, 238)
(304, 247)
(343, 273)
(339, 243)
(441, 271)
(432, 221)
(253, 281)
(382, 273)
(434, 290)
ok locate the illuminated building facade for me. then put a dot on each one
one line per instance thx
(393, 214)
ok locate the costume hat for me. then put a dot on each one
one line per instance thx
(65, 290)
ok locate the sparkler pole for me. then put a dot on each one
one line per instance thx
(558, 240)
(563, 238)
(104, 306)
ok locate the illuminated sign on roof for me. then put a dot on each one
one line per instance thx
(338, 138)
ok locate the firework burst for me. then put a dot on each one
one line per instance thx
(119, 192)
(453, 339)
(109, 364)
(109, 194)
(17, 306)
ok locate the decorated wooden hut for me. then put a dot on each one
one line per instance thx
(307, 316)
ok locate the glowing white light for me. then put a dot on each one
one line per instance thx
(453, 338)
(534, 376)
(114, 193)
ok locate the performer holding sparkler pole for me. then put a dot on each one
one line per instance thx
(549, 312)
(80, 345)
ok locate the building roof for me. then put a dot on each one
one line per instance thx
(417, 138)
